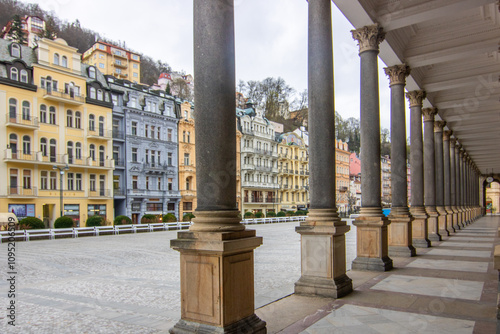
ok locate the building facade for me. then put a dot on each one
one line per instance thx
(293, 177)
(187, 162)
(385, 164)
(114, 60)
(145, 147)
(32, 26)
(57, 132)
(342, 158)
(259, 161)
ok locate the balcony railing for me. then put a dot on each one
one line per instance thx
(272, 200)
(154, 192)
(252, 184)
(118, 135)
(119, 192)
(247, 132)
(100, 134)
(263, 152)
(22, 192)
(247, 167)
(63, 96)
(119, 163)
(100, 163)
(100, 193)
(186, 168)
(120, 64)
(22, 120)
(264, 169)
(20, 155)
(247, 150)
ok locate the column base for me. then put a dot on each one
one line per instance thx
(323, 267)
(400, 233)
(251, 325)
(402, 251)
(442, 221)
(433, 223)
(449, 220)
(419, 228)
(456, 217)
(372, 263)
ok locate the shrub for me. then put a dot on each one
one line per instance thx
(169, 218)
(122, 220)
(271, 214)
(95, 221)
(259, 214)
(300, 213)
(187, 217)
(63, 222)
(149, 219)
(31, 223)
(248, 215)
(281, 214)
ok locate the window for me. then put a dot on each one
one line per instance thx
(169, 158)
(92, 93)
(92, 152)
(189, 137)
(78, 151)
(159, 183)
(43, 146)
(64, 61)
(102, 47)
(99, 95)
(13, 108)
(97, 210)
(135, 75)
(117, 70)
(101, 126)
(92, 184)
(171, 206)
(14, 74)
(153, 128)
(71, 181)
(70, 152)
(101, 156)
(69, 118)
(135, 66)
(147, 156)
(43, 113)
(186, 159)
(170, 184)
(114, 99)
(188, 183)
(91, 122)
(186, 114)
(52, 150)
(92, 72)
(78, 182)
(24, 76)
(56, 59)
(15, 50)
(184, 136)
(169, 135)
(135, 182)
(52, 115)
(147, 182)
(187, 206)
(158, 130)
(118, 61)
(78, 120)
(134, 154)
(101, 65)
(133, 102)
(53, 180)
(26, 110)
(44, 176)
(146, 127)
(13, 181)
(26, 145)
(26, 179)
(134, 128)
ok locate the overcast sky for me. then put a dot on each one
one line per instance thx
(271, 40)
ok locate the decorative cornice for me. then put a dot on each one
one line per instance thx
(416, 97)
(447, 134)
(369, 37)
(429, 114)
(397, 74)
(453, 142)
(439, 125)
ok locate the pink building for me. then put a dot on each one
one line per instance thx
(354, 165)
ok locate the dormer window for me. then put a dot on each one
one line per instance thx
(99, 95)
(14, 74)
(92, 93)
(92, 72)
(24, 76)
(15, 50)
(64, 62)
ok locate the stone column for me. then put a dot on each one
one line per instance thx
(372, 245)
(447, 181)
(323, 265)
(453, 182)
(439, 163)
(460, 183)
(420, 230)
(216, 254)
(430, 174)
(400, 228)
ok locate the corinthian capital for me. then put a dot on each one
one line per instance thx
(447, 134)
(416, 97)
(439, 125)
(429, 114)
(369, 37)
(397, 74)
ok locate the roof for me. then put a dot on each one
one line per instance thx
(27, 53)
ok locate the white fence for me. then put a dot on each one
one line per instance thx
(75, 232)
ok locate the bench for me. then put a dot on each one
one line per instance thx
(19, 235)
(104, 230)
(84, 231)
(63, 232)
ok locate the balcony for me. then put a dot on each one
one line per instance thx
(62, 96)
(265, 185)
(120, 64)
(99, 193)
(118, 135)
(119, 163)
(272, 200)
(248, 150)
(154, 167)
(120, 54)
(109, 163)
(284, 186)
(247, 132)
(247, 167)
(100, 134)
(118, 192)
(282, 156)
(264, 169)
(343, 189)
(15, 191)
(20, 155)
(254, 200)
(154, 193)
(187, 168)
(22, 121)
(263, 152)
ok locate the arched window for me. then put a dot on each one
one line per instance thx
(52, 115)
(15, 50)
(92, 72)
(26, 110)
(186, 114)
(12, 108)
(13, 141)
(24, 76)
(92, 152)
(92, 93)
(91, 122)
(43, 146)
(99, 95)
(43, 113)
(101, 126)
(64, 61)
(70, 152)
(56, 59)
(52, 150)
(78, 151)
(78, 120)
(69, 118)
(14, 74)
(26, 145)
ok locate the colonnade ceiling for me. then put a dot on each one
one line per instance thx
(452, 48)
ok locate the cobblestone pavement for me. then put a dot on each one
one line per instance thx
(127, 283)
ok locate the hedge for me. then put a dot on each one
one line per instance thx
(63, 222)
(31, 223)
(94, 221)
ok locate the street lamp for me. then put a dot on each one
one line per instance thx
(61, 177)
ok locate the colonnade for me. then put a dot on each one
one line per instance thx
(216, 254)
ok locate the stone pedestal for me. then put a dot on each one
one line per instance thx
(420, 230)
(456, 225)
(400, 233)
(442, 221)
(433, 224)
(217, 282)
(449, 220)
(323, 255)
(372, 244)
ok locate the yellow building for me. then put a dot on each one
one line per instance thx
(238, 169)
(57, 124)
(114, 60)
(342, 155)
(293, 174)
(493, 197)
(187, 160)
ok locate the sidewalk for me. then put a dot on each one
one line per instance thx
(448, 288)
